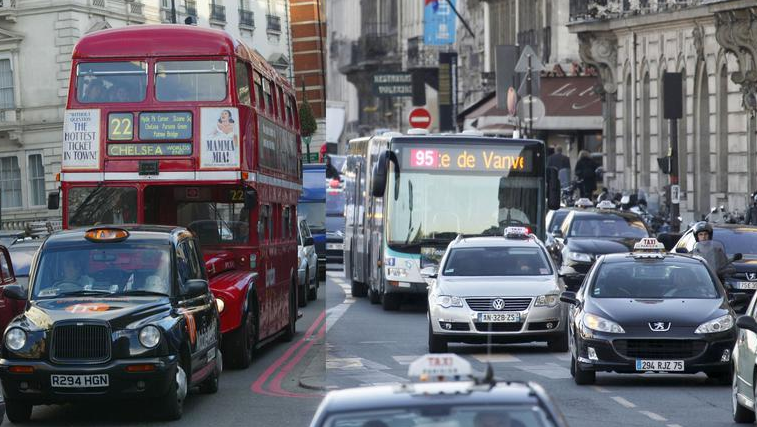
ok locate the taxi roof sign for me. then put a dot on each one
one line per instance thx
(522, 232)
(606, 204)
(584, 203)
(439, 365)
(106, 234)
(648, 244)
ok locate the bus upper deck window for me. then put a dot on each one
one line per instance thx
(258, 81)
(111, 82)
(268, 95)
(191, 80)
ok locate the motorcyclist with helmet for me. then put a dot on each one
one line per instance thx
(712, 251)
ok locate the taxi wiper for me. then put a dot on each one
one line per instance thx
(83, 292)
(142, 292)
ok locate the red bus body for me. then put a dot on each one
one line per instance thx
(166, 153)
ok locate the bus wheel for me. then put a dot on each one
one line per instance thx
(391, 302)
(357, 289)
(373, 296)
(291, 328)
(240, 346)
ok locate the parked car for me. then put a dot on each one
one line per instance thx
(307, 264)
(312, 206)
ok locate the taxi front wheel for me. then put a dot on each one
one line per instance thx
(18, 411)
(436, 344)
(171, 406)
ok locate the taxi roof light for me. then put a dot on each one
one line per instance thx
(439, 367)
(649, 247)
(606, 204)
(517, 232)
(106, 234)
(584, 203)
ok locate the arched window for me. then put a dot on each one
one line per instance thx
(645, 143)
(722, 142)
(663, 140)
(627, 127)
(702, 170)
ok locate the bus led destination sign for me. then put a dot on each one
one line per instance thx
(469, 158)
(151, 149)
(165, 125)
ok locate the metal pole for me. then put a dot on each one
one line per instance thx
(674, 207)
(530, 100)
(173, 11)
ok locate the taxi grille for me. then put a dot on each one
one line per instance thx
(511, 304)
(498, 327)
(660, 349)
(89, 343)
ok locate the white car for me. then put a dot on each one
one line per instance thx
(307, 264)
(496, 289)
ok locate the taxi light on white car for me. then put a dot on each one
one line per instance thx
(584, 203)
(396, 272)
(721, 324)
(517, 232)
(448, 301)
(606, 204)
(546, 301)
(439, 367)
(601, 324)
(15, 339)
(649, 244)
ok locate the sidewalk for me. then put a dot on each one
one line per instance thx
(314, 376)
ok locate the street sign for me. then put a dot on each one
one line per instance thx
(420, 118)
(522, 65)
(531, 109)
(675, 194)
(393, 84)
(309, 158)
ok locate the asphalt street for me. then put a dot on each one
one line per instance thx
(366, 346)
(266, 393)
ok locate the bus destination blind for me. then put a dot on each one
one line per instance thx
(468, 158)
(150, 149)
(165, 125)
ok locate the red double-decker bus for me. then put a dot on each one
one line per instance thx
(187, 126)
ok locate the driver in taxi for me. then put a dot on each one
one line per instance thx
(72, 273)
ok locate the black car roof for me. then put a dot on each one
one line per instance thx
(137, 234)
(598, 213)
(667, 256)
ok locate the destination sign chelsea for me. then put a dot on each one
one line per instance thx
(468, 158)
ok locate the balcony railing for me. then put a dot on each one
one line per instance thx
(421, 56)
(135, 8)
(97, 3)
(190, 7)
(274, 23)
(217, 12)
(591, 10)
(246, 18)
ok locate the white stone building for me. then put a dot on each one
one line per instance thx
(36, 41)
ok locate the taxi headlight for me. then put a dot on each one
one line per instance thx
(149, 336)
(220, 305)
(579, 257)
(397, 272)
(601, 324)
(546, 301)
(722, 323)
(15, 339)
(448, 301)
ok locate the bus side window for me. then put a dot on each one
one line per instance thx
(243, 83)
(281, 105)
(262, 223)
(288, 104)
(268, 97)
(258, 81)
(285, 223)
(272, 220)
(295, 113)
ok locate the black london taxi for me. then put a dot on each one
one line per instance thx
(435, 400)
(650, 311)
(112, 313)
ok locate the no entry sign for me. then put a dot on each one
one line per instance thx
(420, 118)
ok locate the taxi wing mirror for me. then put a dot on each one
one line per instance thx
(429, 272)
(196, 287)
(53, 201)
(15, 292)
(747, 322)
(569, 297)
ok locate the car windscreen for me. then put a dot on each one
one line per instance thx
(21, 259)
(497, 261)
(106, 268)
(612, 226)
(314, 213)
(495, 415)
(557, 219)
(737, 240)
(653, 279)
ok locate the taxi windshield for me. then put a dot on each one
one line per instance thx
(653, 280)
(106, 268)
(497, 261)
(438, 416)
(612, 226)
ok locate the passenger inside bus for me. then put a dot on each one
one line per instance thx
(95, 91)
(123, 210)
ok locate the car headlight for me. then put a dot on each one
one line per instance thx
(601, 324)
(448, 301)
(15, 339)
(220, 305)
(546, 301)
(579, 257)
(149, 336)
(397, 272)
(722, 323)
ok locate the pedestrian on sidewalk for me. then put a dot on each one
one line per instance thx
(751, 211)
(561, 162)
(586, 170)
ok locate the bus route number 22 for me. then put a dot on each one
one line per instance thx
(121, 127)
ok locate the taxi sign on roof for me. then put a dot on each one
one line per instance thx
(648, 244)
(517, 231)
(439, 365)
(606, 204)
(584, 203)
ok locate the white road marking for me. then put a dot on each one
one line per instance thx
(344, 363)
(654, 416)
(378, 342)
(600, 389)
(549, 370)
(334, 313)
(565, 357)
(674, 425)
(623, 402)
(405, 360)
(496, 358)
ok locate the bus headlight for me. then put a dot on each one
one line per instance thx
(149, 336)
(15, 339)
(396, 272)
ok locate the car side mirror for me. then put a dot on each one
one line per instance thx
(14, 292)
(747, 322)
(737, 256)
(53, 201)
(196, 287)
(429, 272)
(309, 241)
(681, 250)
(569, 297)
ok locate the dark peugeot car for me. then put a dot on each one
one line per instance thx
(650, 312)
(736, 238)
(112, 313)
(590, 233)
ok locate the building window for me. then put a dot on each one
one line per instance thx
(36, 180)
(6, 84)
(10, 182)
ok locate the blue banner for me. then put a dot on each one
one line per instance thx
(439, 23)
